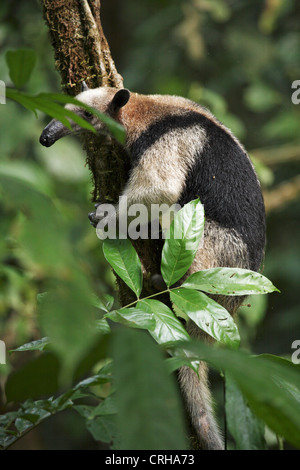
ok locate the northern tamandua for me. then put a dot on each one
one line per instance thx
(179, 151)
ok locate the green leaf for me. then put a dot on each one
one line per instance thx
(42, 103)
(104, 303)
(124, 260)
(98, 379)
(66, 316)
(30, 173)
(47, 103)
(182, 242)
(175, 362)
(281, 125)
(100, 419)
(243, 425)
(32, 413)
(102, 326)
(38, 345)
(133, 317)
(22, 424)
(280, 360)
(48, 247)
(102, 428)
(260, 97)
(271, 388)
(50, 107)
(149, 409)
(7, 438)
(20, 63)
(208, 315)
(229, 281)
(22, 99)
(96, 353)
(116, 129)
(37, 378)
(290, 388)
(106, 407)
(167, 328)
(254, 311)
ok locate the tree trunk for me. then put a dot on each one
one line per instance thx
(82, 53)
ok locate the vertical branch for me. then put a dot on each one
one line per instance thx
(80, 47)
(99, 46)
(82, 53)
(110, 76)
(94, 37)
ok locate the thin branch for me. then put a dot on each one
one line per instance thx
(282, 194)
(278, 155)
(94, 34)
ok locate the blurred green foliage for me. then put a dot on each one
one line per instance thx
(237, 57)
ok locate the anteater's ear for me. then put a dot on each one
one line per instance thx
(84, 86)
(120, 99)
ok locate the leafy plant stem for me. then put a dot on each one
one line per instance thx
(280, 442)
(34, 426)
(149, 297)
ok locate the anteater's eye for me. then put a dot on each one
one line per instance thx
(87, 114)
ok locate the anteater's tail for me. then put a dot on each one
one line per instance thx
(198, 402)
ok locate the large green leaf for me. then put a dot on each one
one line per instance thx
(167, 328)
(66, 316)
(37, 378)
(31, 173)
(20, 63)
(246, 429)
(115, 128)
(149, 412)
(229, 281)
(182, 242)
(281, 360)
(161, 323)
(48, 103)
(22, 98)
(133, 317)
(124, 260)
(271, 387)
(207, 314)
(47, 248)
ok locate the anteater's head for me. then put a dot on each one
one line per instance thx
(104, 99)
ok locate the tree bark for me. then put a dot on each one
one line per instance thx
(82, 53)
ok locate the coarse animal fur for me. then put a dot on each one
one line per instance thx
(179, 151)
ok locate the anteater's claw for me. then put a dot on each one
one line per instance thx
(93, 219)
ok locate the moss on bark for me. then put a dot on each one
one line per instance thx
(82, 53)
